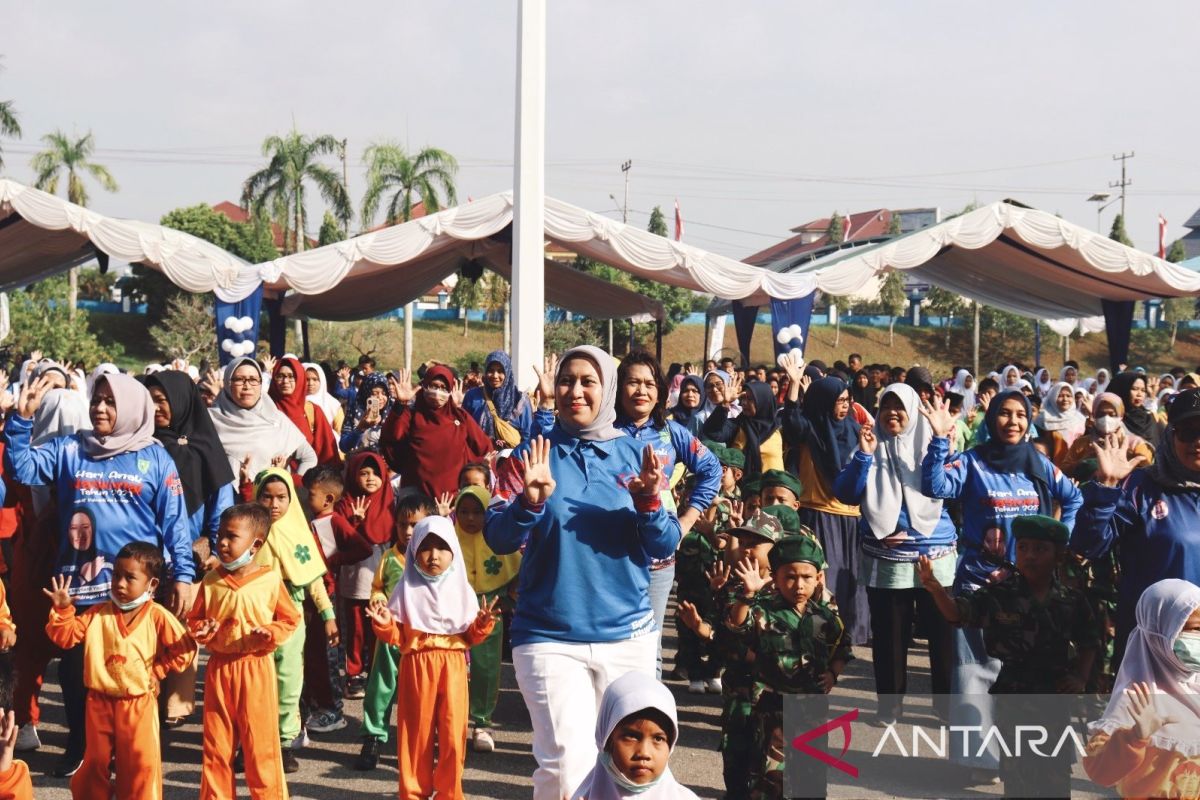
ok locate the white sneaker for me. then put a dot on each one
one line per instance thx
(482, 741)
(27, 738)
(301, 741)
(695, 687)
(713, 685)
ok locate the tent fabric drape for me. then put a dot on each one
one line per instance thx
(41, 235)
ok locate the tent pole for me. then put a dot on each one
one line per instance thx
(975, 363)
(529, 190)
(707, 338)
(305, 348)
(610, 336)
(409, 311)
(658, 334)
(632, 337)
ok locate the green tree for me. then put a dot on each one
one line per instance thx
(41, 320)
(1118, 231)
(467, 294)
(893, 300)
(677, 302)
(403, 179)
(893, 228)
(944, 304)
(330, 232)
(1177, 309)
(9, 126)
(836, 231)
(96, 285)
(1008, 326)
(658, 222)
(281, 183)
(70, 157)
(186, 330)
(1177, 252)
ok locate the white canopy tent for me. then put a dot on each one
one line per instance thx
(42, 235)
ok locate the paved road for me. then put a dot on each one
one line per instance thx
(325, 772)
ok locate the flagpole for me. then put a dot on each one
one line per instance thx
(529, 187)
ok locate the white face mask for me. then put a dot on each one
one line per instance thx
(437, 397)
(1106, 424)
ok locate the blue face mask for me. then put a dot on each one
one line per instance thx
(1187, 648)
(624, 782)
(433, 578)
(137, 602)
(239, 562)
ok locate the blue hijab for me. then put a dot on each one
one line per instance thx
(1021, 458)
(504, 398)
(359, 409)
(831, 442)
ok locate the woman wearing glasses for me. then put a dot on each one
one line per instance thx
(289, 391)
(252, 427)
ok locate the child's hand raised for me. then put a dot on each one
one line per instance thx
(381, 615)
(244, 475)
(689, 616)
(737, 513)
(445, 504)
(359, 507)
(487, 610)
(718, 575)
(57, 592)
(1146, 719)
(752, 580)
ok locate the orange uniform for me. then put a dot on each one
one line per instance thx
(15, 783)
(241, 703)
(433, 687)
(122, 664)
(6, 617)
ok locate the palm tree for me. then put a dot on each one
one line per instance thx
(281, 183)
(391, 170)
(8, 122)
(64, 155)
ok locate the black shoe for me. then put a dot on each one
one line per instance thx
(67, 766)
(290, 764)
(239, 762)
(368, 757)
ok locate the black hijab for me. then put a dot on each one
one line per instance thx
(830, 441)
(1021, 458)
(687, 416)
(1138, 420)
(191, 439)
(758, 428)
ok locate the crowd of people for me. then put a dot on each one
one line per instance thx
(328, 533)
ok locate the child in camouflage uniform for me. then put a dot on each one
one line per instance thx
(754, 539)
(1046, 638)
(799, 646)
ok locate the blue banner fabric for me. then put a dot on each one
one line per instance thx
(237, 326)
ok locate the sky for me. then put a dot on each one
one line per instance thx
(757, 115)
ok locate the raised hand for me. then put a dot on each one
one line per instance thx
(752, 580)
(400, 386)
(244, 475)
(8, 739)
(718, 575)
(690, 369)
(794, 367)
(32, 394)
(381, 615)
(4, 378)
(268, 363)
(689, 616)
(737, 513)
(214, 381)
(733, 390)
(456, 393)
(7, 401)
(487, 610)
(866, 439)
(545, 384)
(652, 477)
(539, 482)
(58, 594)
(1113, 463)
(445, 504)
(359, 507)
(1146, 719)
(343, 377)
(938, 413)
(279, 461)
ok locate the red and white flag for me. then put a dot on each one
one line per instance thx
(678, 222)
(1162, 236)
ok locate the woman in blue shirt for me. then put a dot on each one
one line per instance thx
(641, 395)
(591, 519)
(118, 476)
(899, 525)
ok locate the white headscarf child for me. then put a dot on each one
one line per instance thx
(443, 605)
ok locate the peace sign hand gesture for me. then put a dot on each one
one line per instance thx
(539, 483)
(545, 385)
(400, 386)
(358, 508)
(487, 610)
(651, 477)
(938, 413)
(866, 439)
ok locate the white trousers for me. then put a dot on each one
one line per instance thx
(562, 684)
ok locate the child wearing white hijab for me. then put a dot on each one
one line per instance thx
(1147, 743)
(636, 730)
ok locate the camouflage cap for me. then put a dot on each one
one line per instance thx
(761, 525)
(797, 549)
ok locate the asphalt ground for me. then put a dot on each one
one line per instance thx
(326, 772)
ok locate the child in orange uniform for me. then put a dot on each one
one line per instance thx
(242, 613)
(433, 616)
(15, 783)
(130, 643)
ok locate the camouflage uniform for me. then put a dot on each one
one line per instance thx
(791, 652)
(697, 554)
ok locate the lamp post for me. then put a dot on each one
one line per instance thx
(1100, 197)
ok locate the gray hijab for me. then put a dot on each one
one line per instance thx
(134, 429)
(601, 428)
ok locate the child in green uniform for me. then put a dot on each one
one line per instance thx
(1045, 636)
(381, 683)
(799, 644)
(754, 539)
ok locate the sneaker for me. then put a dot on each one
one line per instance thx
(325, 722)
(482, 741)
(290, 764)
(67, 766)
(356, 687)
(713, 686)
(300, 741)
(27, 738)
(368, 757)
(695, 687)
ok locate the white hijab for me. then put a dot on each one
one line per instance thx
(1065, 422)
(261, 432)
(707, 406)
(1062, 376)
(629, 694)
(960, 387)
(1150, 658)
(323, 399)
(1004, 384)
(894, 480)
(445, 606)
(1044, 385)
(1102, 383)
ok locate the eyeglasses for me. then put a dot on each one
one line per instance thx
(283, 377)
(246, 382)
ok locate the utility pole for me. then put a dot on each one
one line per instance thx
(628, 165)
(345, 179)
(1123, 183)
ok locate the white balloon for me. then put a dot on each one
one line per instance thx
(231, 323)
(797, 353)
(783, 337)
(247, 324)
(227, 345)
(247, 348)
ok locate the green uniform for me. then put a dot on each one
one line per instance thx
(696, 556)
(792, 650)
(385, 665)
